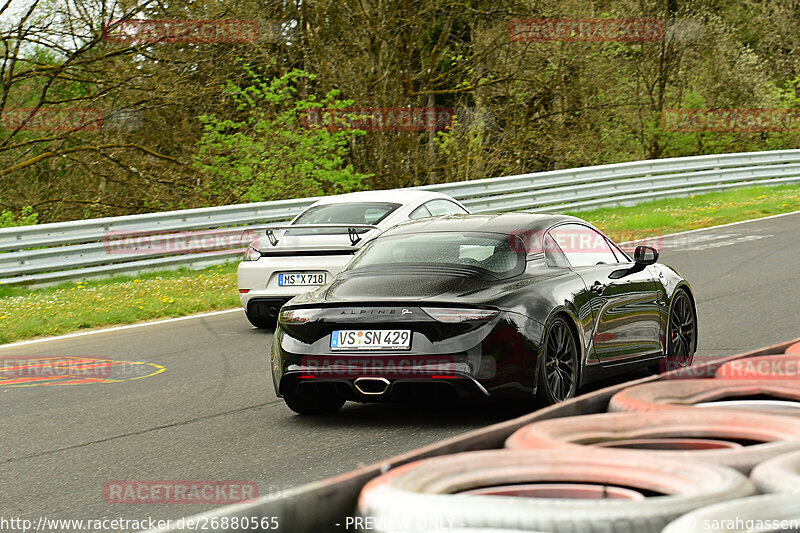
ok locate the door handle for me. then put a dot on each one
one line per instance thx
(597, 288)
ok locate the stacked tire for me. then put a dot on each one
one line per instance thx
(780, 474)
(705, 436)
(438, 493)
(679, 455)
(781, 397)
(776, 509)
(769, 383)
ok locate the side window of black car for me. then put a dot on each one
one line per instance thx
(553, 255)
(583, 246)
(621, 256)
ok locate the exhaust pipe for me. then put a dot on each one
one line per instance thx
(371, 386)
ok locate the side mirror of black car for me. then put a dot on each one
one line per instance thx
(645, 255)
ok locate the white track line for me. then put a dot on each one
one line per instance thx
(215, 313)
(121, 328)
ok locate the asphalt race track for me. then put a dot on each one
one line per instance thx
(212, 413)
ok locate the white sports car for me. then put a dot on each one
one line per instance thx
(288, 261)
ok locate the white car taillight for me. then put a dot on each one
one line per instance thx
(444, 314)
(297, 316)
(251, 254)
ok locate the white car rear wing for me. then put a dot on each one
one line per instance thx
(352, 230)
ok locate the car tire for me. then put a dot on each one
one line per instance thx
(262, 322)
(427, 491)
(679, 394)
(312, 403)
(780, 474)
(558, 374)
(681, 340)
(707, 435)
(763, 509)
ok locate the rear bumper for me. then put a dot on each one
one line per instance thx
(387, 389)
(499, 361)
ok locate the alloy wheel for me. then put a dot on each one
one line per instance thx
(561, 362)
(682, 330)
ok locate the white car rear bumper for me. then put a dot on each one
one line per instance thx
(260, 277)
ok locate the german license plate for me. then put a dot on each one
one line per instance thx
(296, 279)
(371, 339)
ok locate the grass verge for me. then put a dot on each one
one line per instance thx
(27, 313)
(662, 217)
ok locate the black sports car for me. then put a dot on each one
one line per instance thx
(520, 306)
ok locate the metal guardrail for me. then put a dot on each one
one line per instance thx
(87, 248)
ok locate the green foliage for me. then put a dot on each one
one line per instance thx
(552, 105)
(263, 151)
(26, 217)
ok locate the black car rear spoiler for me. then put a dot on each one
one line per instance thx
(352, 230)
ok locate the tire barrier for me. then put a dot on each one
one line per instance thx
(440, 491)
(775, 397)
(770, 512)
(766, 367)
(581, 485)
(780, 474)
(733, 438)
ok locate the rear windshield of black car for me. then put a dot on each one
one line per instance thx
(487, 252)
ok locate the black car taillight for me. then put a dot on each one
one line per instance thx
(297, 316)
(455, 315)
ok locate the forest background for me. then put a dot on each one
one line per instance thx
(97, 122)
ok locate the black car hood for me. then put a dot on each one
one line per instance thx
(383, 286)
